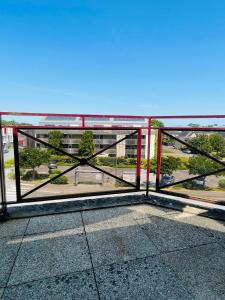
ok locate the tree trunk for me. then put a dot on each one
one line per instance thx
(34, 174)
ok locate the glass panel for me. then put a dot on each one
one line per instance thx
(180, 162)
(9, 169)
(2, 187)
(118, 160)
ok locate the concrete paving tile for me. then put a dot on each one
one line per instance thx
(8, 251)
(168, 234)
(50, 254)
(114, 214)
(120, 214)
(118, 244)
(55, 222)
(202, 269)
(145, 210)
(119, 222)
(146, 278)
(213, 228)
(1, 292)
(15, 227)
(79, 285)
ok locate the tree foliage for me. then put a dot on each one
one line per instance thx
(157, 123)
(87, 146)
(32, 158)
(200, 165)
(213, 144)
(218, 144)
(12, 122)
(55, 139)
(201, 142)
(169, 164)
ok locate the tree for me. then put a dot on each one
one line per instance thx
(201, 142)
(193, 125)
(218, 144)
(199, 164)
(12, 122)
(167, 140)
(86, 146)
(32, 158)
(55, 139)
(169, 164)
(157, 123)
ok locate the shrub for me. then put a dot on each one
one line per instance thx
(222, 183)
(60, 180)
(9, 163)
(54, 171)
(28, 176)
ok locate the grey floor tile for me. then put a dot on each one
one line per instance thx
(146, 210)
(202, 269)
(117, 214)
(1, 292)
(13, 227)
(98, 222)
(8, 251)
(107, 214)
(55, 222)
(168, 233)
(213, 228)
(118, 244)
(80, 285)
(50, 254)
(146, 278)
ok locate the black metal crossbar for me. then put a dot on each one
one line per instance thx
(203, 153)
(81, 161)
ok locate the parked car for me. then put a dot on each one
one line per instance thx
(199, 182)
(167, 179)
(52, 164)
(187, 151)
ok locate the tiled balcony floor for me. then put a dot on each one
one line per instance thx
(133, 252)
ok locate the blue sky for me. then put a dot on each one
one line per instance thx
(122, 57)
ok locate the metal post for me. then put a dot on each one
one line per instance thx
(17, 163)
(159, 151)
(148, 157)
(138, 176)
(3, 210)
(83, 121)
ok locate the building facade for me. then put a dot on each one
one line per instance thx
(102, 137)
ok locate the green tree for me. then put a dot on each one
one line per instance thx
(55, 139)
(217, 144)
(157, 123)
(201, 142)
(33, 158)
(167, 140)
(12, 122)
(87, 146)
(169, 164)
(200, 164)
(193, 125)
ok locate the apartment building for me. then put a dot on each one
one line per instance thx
(102, 137)
(7, 137)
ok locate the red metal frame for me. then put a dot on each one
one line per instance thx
(81, 161)
(161, 131)
(138, 173)
(149, 128)
(159, 154)
(148, 157)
